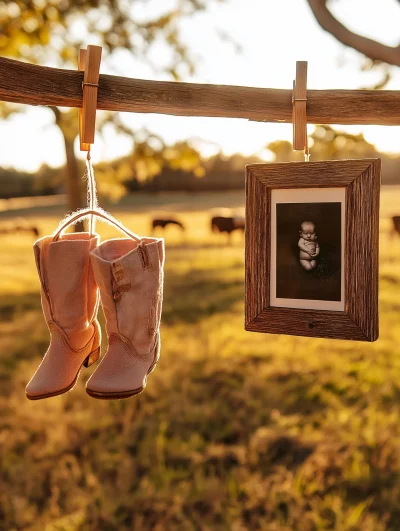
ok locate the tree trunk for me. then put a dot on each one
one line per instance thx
(74, 189)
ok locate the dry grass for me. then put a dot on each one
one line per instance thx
(235, 431)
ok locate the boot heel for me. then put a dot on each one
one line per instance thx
(92, 358)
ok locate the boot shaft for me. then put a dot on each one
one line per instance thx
(69, 292)
(130, 278)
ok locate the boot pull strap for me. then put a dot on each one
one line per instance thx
(98, 214)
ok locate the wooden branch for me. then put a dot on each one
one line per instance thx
(372, 49)
(38, 85)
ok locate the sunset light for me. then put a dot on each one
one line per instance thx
(261, 51)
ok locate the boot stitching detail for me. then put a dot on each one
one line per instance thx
(144, 256)
(118, 271)
(119, 291)
(130, 349)
(54, 326)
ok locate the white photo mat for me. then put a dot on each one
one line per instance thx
(306, 195)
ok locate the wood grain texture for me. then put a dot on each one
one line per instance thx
(299, 107)
(309, 323)
(319, 174)
(361, 178)
(362, 250)
(89, 102)
(81, 68)
(258, 205)
(38, 85)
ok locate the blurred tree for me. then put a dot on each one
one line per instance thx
(330, 144)
(327, 144)
(283, 151)
(52, 31)
(374, 50)
(150, 157)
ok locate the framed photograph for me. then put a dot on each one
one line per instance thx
(312, 243)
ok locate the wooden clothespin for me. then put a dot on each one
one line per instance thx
(299, 116)
(89, 63)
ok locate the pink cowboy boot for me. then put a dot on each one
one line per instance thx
(130, 278)
(70, 302)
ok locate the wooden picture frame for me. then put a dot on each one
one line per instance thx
(355, 316)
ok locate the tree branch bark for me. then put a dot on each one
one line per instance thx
(40, 85)
(372, 49)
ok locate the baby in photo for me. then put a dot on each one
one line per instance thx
(308, 244)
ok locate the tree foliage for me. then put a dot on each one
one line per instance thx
(154, 167)
(326, 143)
(52, 31)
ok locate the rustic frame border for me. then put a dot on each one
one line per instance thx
(361, 179)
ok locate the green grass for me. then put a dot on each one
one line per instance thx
(235, 431)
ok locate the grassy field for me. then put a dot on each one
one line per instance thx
(235, 431)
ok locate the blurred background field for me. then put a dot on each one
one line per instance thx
(235, 430)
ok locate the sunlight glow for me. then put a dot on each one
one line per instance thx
(384, 138)
(267, 60)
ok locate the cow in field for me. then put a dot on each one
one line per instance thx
(227, 224)
(10, 229)
(396, 225)
(164, 222)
